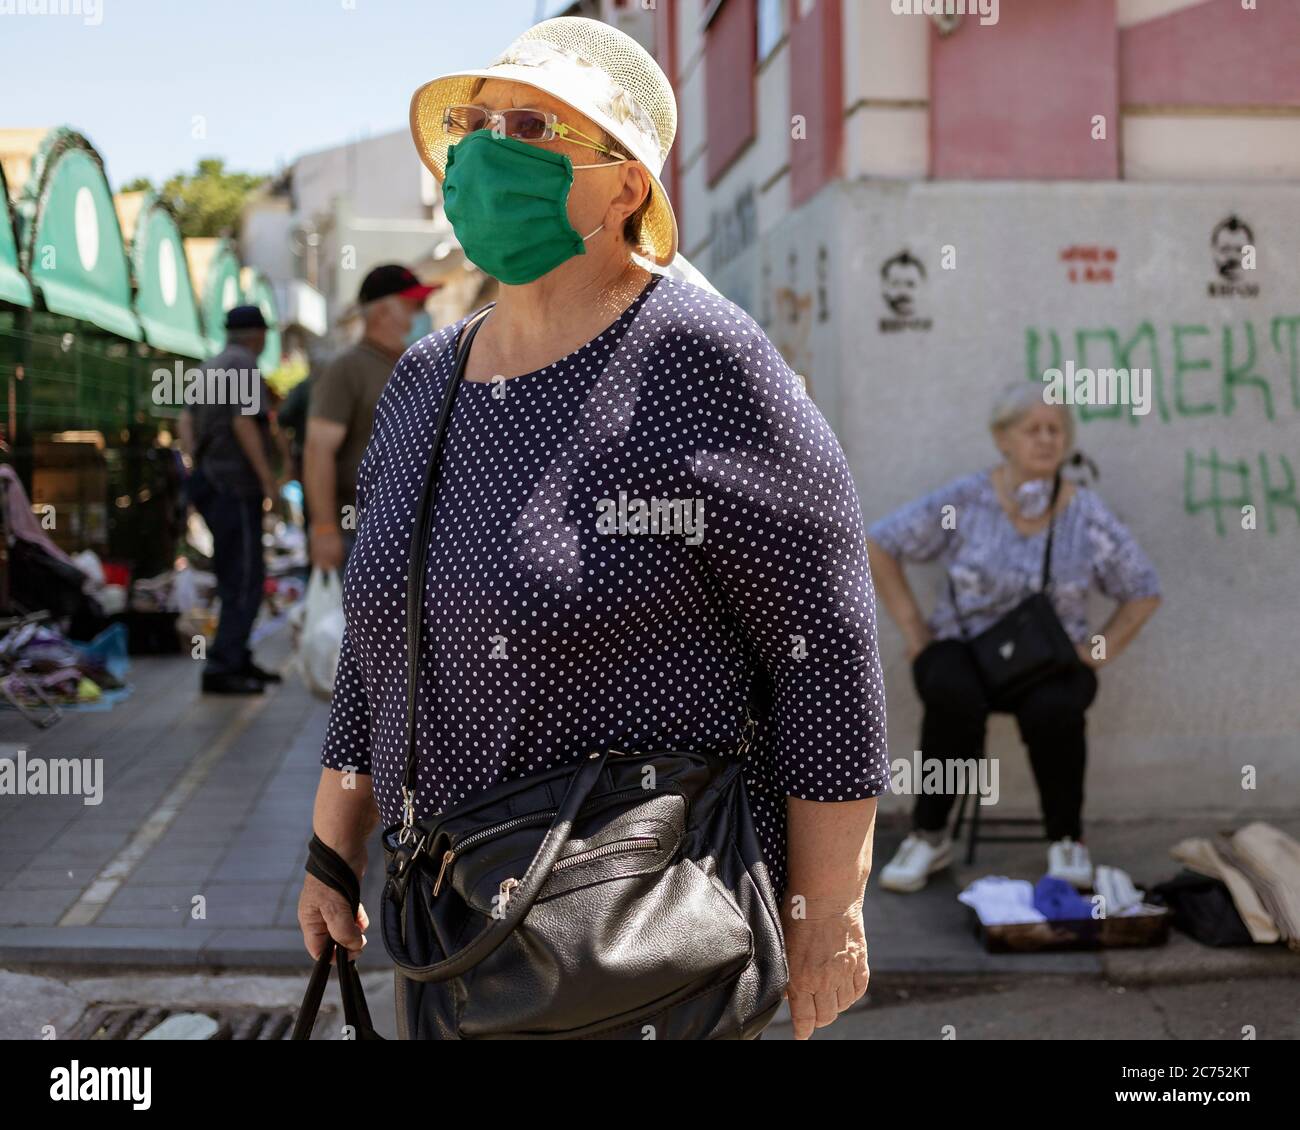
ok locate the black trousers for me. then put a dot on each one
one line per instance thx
(1050, 716)
(236, 525)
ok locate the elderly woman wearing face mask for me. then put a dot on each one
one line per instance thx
(989, 530)
(595, 382)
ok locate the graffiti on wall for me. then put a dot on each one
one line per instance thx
(1243, 369)
(902, 285)
(1233, 243)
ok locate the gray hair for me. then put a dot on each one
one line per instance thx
(1013, 401)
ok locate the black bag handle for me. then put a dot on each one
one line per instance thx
(518, 903)
(333, 870)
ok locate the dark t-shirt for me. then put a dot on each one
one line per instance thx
(346, 392)
(223, 461)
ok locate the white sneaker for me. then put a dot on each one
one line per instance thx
(1117, 889)
(914, 862)
(1069, 860)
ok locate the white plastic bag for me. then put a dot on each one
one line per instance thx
(322, 632)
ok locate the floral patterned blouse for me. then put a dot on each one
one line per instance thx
(993, 566)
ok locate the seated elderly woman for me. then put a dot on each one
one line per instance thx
(990, 530)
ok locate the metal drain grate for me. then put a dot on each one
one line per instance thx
(234, 1022)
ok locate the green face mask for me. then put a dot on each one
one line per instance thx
(508, 204)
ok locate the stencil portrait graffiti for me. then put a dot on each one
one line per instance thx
(1233, 243)
(902, 279)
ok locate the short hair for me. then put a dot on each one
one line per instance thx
(1013, 401)
(1233, 224)
(903, 259)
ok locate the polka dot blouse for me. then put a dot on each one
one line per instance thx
(624, 542)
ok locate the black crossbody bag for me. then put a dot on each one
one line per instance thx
(623, 896)
(1029, 643)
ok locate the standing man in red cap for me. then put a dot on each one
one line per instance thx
(342, 411)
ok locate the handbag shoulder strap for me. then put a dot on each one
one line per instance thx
(1047, 557)
(1051, 530)
(420, 533)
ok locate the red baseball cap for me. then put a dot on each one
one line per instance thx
(392, 278)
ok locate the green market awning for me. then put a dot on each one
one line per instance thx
(72, 244)
(164, 295)
(257, 292)
(215, 268)
(13, 287)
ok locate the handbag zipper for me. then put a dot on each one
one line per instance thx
(449, 856)
(483, 834)
(616, 847)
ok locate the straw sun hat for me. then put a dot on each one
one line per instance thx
(599, 71)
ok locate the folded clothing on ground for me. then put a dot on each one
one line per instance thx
(1120, 896)
(1058, 900)
(1270, 859)
(1199, 854)
(1000, 901)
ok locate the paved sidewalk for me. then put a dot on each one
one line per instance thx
(212, 797)
(202, 796)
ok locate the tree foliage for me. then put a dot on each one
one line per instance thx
(207, 202)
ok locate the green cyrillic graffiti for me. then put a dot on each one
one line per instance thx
(1245, 370)
(1224, 487)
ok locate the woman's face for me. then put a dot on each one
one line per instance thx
(1035, 444)
(599, 196)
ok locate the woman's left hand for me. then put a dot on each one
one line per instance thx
(826, 952)
(1085, 656)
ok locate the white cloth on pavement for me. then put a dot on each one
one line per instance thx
(1000, 901)
(1122, 898)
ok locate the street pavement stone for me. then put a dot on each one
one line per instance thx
(239, 838)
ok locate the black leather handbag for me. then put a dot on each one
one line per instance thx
(624, 896)
(1026, 645)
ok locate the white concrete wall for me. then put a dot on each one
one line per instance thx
(1211, 685)
(379, 176)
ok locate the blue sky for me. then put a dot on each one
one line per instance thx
(270, 79)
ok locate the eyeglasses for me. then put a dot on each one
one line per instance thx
(520, 124)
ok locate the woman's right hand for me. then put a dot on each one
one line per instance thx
(323, 913)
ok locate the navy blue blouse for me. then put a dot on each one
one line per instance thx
(611, 531)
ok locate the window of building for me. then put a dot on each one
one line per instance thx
(771, 26)
(729, 53)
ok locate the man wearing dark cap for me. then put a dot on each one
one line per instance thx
(342, 412)
(230, 485)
